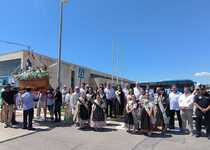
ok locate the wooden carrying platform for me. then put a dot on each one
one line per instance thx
(34, 84)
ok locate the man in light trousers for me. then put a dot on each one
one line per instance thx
(186, 106)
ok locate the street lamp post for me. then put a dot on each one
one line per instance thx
(62, 2)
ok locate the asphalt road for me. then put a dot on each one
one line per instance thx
(114, 137)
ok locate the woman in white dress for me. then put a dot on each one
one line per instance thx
(68, 116)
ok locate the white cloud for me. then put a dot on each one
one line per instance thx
(202, 74)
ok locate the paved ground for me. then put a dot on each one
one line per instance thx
(114, 137)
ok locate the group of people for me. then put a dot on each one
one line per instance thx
(90, 108)
(148, 111)
(144, 110)
(12, 99)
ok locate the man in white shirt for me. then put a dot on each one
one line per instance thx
(74, 98)
(137, 91)
(110, 98)
(126, 90)
(83, 88)
(186, 105)
(174, 107)
(64, 92)
(28, 109)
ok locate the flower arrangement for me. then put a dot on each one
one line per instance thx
(32, 74)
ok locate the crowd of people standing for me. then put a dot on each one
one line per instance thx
(144, 110)
(147, 111)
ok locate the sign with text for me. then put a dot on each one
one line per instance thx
(81, 73)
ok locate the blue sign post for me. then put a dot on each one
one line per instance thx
(81, 74)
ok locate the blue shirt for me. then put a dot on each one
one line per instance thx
(110, 93)
(28, 100)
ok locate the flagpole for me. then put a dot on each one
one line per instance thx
(113, 62)
(117, 65)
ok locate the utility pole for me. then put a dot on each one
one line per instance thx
(62, 2)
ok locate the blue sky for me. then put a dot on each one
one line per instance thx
(157, 39)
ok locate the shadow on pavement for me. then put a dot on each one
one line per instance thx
(43, 126)
(85, 129)
(99, 130)
(159, 135)
(51, 124)
(154, 135)
(113, 124)
(176, 132)
(25, 135)
(11, 139)
(105, 130)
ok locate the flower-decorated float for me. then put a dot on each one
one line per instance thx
(33, 78)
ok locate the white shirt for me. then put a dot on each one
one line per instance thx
(126, 92)
(28, 100)
(68, 98)
(186, 101)
(74, 98)
(18, 99)
(110, 93)
(174, 100)
(137, 92)
(64, 92)
(82, 90)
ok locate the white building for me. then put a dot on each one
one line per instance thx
(70, 73)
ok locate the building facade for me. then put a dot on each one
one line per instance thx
(71, 74)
